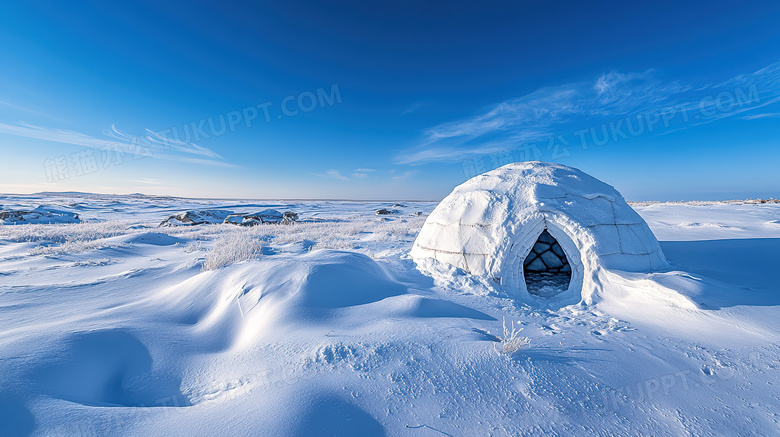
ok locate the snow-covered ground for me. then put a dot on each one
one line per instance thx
(115, 326)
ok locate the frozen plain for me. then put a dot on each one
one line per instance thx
(326, 327)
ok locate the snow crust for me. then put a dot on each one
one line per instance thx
(488, 225)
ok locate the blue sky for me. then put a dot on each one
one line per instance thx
(387, 100)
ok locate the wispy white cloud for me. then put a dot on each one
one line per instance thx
(766, 78)
(153, 139)
(536, 115)
(24, 109)
(201, 161)
(758, 116)
(147, 181)
(405, 175)
(26, 130)
(362, 173)
(545, 113)
(150, 144)
(332, 173)
(414, 107)
(336, 174)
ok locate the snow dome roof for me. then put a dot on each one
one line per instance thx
(489, 224)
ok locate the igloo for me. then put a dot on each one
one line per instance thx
(541, 230)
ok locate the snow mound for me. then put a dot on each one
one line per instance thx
(412, 306)
(39, 215)
(197, 217)
(104, 368)
(330, 415)
(317, 286)
(488, 225)
(343, 279)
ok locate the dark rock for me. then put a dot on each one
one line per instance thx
(256, 218)
(39, 215)
(289, 217)
(197, 217)
(242, 220)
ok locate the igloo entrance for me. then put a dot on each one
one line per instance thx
(546, 269)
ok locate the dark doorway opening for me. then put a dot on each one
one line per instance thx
(546, 269)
